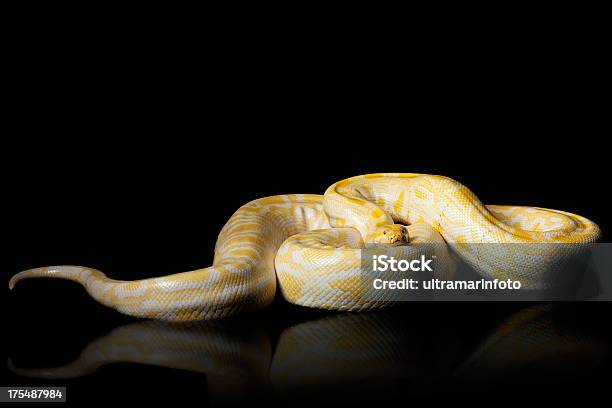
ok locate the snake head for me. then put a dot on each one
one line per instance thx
(389, 234)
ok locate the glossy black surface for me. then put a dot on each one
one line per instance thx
(419, 350)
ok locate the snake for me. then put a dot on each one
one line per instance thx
(310, 247)
(240, 359)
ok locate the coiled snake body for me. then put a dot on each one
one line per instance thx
(313, 244)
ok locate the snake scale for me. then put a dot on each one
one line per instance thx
(313, 245)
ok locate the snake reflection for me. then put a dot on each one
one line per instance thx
(375, 347)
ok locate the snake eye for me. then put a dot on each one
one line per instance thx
(384, 232)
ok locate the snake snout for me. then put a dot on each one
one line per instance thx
(396, 235)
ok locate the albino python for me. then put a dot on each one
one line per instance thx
(313, 245)
(242, 361)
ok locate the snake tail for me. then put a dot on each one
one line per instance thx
(241, 279)
(173, 297)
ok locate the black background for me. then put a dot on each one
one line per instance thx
(130, 148)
